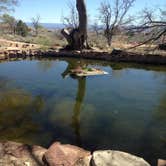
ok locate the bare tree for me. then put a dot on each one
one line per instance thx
(77, 37)
(96, 28)
(36, 24)
(72, 19)
(114, 17)
(154, 27)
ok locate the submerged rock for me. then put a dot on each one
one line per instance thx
(116, 158)
(67, 155)
(17, 154)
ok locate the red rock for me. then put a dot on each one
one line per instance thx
(161, 162)
(67, 155)
(12, 153)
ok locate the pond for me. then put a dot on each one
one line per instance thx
(125, 110)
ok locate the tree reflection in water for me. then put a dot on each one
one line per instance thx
(42, 107)
(45, 65)
(78, 100)
(77, 108)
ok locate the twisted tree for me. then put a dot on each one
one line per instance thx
(36, 24)
(114, 16)
(7, 5)
(77, 37)
(153, 27)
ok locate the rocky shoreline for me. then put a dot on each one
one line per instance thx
(12, 50)
(18, 154)
(114, 56)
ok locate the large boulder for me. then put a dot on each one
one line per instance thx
(116, 158)
(17, 154)
(66, 155)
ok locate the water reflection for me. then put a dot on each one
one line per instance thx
(45, 65)
(17, 107)
(160, 121)
(77, 108)
(114, 65)
(127, 111)
(154, 135)
(81, 89)
(12, 102)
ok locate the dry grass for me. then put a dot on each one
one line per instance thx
(45, 38)
(124, 43)
(53, 38)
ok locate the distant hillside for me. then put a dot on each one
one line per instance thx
(49, 25)
(53, 26)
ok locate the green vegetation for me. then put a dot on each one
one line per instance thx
(12, 26)
(22, 28)
(10, 23)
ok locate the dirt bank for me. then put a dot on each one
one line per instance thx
(11, 50)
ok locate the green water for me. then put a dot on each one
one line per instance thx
(126, 110)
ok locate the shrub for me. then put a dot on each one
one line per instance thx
(22, 28)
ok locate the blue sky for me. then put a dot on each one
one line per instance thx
(51, 10)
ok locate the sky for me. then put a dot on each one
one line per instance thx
(51, 11)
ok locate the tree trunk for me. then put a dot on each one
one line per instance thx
(77, 38)
(108, 34)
